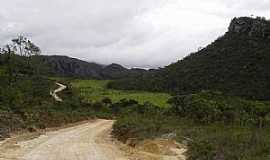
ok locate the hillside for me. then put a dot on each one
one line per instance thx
(236, 64)
(25, 100)
(206, 125)
(72, 67)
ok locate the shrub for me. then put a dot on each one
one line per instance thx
(210, 107)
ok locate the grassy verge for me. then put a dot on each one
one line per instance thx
(203, 126)
(95, 90)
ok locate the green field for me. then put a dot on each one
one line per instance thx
(95, 90)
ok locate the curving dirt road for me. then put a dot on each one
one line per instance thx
(54, 93)
(74, 143)
(88, 141)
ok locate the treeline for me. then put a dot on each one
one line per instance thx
(236, 64)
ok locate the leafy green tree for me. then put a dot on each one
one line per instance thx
(26, 48)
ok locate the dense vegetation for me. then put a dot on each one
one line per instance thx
(214, 126)
(210, 108)
(25, 102)
(95, 90)
(236, 64)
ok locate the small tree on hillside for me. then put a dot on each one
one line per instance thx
(19, 64)
(26, 48)
(18, 57)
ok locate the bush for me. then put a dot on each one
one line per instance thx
(139, 121)
(210, 107)
(214, 126)
(27, 104)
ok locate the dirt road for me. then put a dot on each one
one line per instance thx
(74, 143)
(54, 93)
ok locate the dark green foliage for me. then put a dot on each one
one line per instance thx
(213, 125)
(25, 100)
(134, 121)
(29, 105)
(235, 64)
(210, 107)
(106, 101)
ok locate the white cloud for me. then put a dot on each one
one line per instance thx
(137, 33)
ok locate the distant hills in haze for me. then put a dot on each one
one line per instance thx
(72, 67)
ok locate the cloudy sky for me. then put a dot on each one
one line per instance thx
(135, 33)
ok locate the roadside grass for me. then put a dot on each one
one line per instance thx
(95, 91)
(212, 125)
(204, 142)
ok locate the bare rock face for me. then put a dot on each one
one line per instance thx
(254, 27)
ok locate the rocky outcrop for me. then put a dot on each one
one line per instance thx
(255, 27)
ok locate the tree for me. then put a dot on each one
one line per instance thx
(18, 57)
(25, 47)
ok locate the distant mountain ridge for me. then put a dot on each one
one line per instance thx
(237, 63)
(72, 67)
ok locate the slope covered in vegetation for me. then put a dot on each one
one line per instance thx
(25, 101)
(236, 64)
(214, 126)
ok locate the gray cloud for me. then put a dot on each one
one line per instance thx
(135, 33)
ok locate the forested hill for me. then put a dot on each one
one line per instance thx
(72, 67)
(237, 63)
